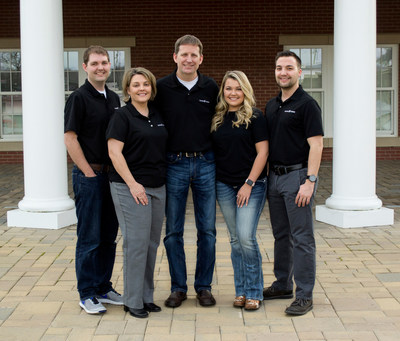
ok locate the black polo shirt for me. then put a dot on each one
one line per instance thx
(144, 141)
(235, 150)
(187, 113)
(290, 124)
(87, 113)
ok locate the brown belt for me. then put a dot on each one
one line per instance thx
(99, 167)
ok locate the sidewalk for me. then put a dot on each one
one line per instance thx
(356, 297)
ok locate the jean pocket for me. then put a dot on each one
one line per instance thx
(208, 157)
(173, 158)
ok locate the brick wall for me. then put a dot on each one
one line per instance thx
(236, 34)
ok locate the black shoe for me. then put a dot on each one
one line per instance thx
(140, 313)
(175, 299)
(205, 297)
(300, 306)
(272, 293)
(151, 307)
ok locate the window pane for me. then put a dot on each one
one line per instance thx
(118, 79)
(119, 60)
(5, 58)
(17, 104)
(73, 81)
(5, 81)
(15, 61)
(111, 54)
(17, 124)
(305, 58)
(16, 81)
(73, 63)
(386, 77)
(384, 110)
(7, 125)
(6, 104)
(317, 79)
(318, 97)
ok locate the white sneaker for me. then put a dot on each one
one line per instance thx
(92, 306)
(112, 297)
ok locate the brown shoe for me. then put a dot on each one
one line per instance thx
(175, 299)
(205, 297)
(239, 301)
(252, 305)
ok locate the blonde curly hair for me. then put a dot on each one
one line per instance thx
(245, 112)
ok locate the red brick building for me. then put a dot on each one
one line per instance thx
(242, 35)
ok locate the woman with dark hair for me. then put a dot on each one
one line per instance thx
(240, 144)
(136, 142)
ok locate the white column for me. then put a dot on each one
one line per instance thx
(353, 202)
(46, 202)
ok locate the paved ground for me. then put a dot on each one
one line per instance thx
(357, 293)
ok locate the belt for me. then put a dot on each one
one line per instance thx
(281, 170)
(190, 154)
(99, 167)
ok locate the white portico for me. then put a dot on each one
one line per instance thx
(353, 202)
(46, 203)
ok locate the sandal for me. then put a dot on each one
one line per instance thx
(239, 301)
(252, 305)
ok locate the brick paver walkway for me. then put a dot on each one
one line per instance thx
(356, 297)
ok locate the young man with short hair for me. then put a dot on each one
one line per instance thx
(87, 113)
(295, 148)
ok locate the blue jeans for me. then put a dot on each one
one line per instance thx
(199, 174)
(292, 227)
(242, 225)
(96, 230)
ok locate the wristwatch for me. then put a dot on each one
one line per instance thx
(312, 178)
(250, 182)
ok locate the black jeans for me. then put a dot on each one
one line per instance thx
(97, 230)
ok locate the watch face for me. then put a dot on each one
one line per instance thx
(312, 178)
(249, 182)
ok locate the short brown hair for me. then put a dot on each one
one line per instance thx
(188, 40)
(97, 49)
(288, 53)
(126, 81)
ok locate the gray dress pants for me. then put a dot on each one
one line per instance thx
(141, 229)
(293, 230)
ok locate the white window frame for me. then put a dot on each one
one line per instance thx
(327, 84)
(81, 79)
(394, 88)
(8, 137)
(82, 74)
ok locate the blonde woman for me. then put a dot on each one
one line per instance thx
(240, 142)
(136, 143)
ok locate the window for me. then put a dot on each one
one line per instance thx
(10, 93)
(317, 80)
(386, 90)
(74, 76)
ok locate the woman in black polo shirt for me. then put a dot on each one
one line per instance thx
(136, 142)
(240, 144)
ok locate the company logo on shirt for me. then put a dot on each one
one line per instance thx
(204, 101)
(290, 111)
(160, 125)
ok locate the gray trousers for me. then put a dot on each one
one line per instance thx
(292, 226)
(141, 229)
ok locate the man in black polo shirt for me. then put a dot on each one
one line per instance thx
(87, 113)
(186, 100)
(295, 149)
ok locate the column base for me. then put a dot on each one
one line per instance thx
(48, 220)
(348, 219)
